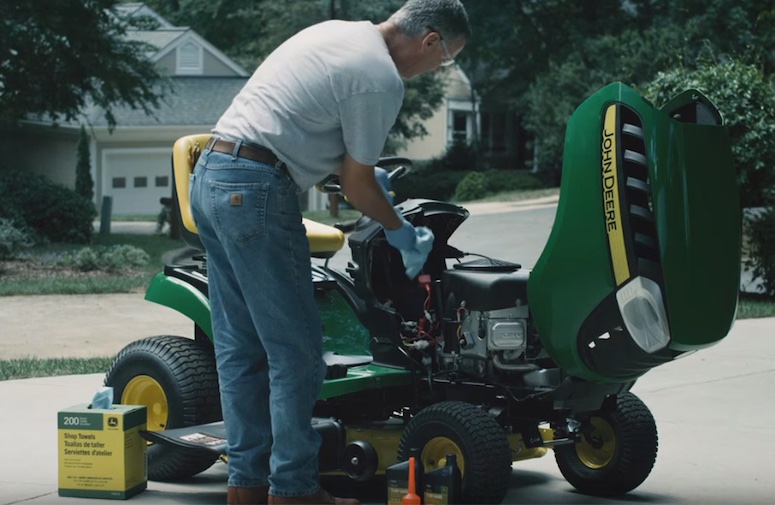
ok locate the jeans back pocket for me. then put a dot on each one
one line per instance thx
(239, 209)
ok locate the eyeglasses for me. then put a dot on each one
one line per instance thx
(447, 60)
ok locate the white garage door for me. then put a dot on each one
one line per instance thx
(137, 179)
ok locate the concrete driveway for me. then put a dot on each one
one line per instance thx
(714, 411)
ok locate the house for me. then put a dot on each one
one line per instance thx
(131, 164)
(456, 120)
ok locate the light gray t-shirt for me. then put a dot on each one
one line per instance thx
(329, 90)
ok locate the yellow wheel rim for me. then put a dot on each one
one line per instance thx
(598, 444)
(145, 390)
(434, 454)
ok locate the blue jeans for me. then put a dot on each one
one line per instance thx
(267, 329)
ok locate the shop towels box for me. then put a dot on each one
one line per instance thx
(101, 451)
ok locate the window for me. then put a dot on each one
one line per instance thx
(460, 126)
(119, 182)
(189, 59)
(141, 182)
(162, 182)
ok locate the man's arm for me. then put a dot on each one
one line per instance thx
(365, 194)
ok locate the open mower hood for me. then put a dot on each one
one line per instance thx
(643, 261)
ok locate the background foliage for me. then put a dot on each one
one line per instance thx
(747, 102)
(57, 56)
(51, 211)
(535, 59)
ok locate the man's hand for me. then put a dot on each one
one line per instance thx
(403, 238)
(365, 194)
(414, 243)
(414, 258)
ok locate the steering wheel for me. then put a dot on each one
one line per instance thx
(331, 183)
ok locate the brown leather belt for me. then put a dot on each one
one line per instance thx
(250, 152)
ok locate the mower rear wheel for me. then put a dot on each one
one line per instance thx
(176, 379)
(475, 437)
(616, 452)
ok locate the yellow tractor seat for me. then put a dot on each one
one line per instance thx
(324, 240)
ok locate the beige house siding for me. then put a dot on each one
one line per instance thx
(457, 117)
(49, 153)
(434, 143)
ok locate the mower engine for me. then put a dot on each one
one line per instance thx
(485, 324)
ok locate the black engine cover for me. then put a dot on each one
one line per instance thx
(486, 290)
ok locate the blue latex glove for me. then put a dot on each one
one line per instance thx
(414, 258)
(402, 238)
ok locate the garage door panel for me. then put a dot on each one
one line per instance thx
(137, 180)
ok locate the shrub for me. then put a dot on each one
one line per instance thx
(760, 231)
(427, 184)
(460, 156)
(84, 184)
(477, 185)
(472, 187)
(12, 239)
(50, 210)
(86, 259)
(110, 259)
(511, 180)
(746, 99)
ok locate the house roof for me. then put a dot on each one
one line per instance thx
(168, 37)
(160, 38)
(135, 9)
(458, 86)
(191, 101)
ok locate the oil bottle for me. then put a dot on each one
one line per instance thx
(397, 478)
(443, 485)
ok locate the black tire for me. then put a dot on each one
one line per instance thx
(483, 452)
(616, 452)
(176, 378)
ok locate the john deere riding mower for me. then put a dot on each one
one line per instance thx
(483, 358)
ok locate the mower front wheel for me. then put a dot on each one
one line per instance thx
(616, 451)
(473, 436)
(176, 379)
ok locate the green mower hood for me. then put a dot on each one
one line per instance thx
(643, 262)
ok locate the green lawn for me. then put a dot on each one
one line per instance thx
(25, 368)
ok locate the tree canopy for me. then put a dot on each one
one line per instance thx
(536, 58)
(58, 56)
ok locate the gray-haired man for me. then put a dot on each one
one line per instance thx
(323, 102)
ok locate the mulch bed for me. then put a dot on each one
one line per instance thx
(21, 269)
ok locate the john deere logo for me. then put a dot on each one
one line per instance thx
(611, 205)
(113, 422)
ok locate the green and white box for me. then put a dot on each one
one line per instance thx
(101, 451)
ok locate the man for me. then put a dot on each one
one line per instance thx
(323, 102)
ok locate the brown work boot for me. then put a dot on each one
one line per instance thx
(237, 495)
(322, 497)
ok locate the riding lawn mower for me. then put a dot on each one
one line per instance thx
(480, 357)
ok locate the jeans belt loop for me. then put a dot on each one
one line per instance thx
(235, 152)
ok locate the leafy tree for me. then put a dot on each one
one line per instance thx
(84, 184)
(629, 42)
(631, 57)
(746, 100)
(59, 55)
